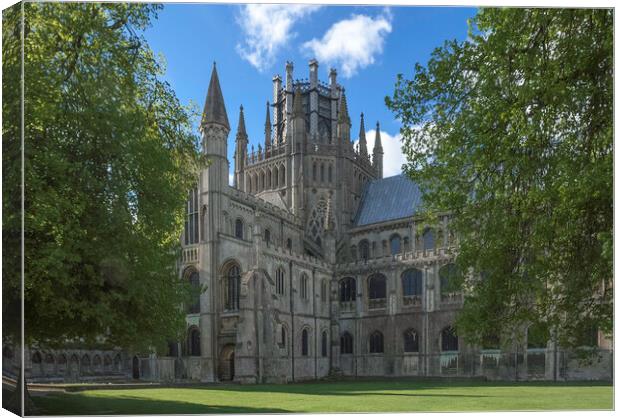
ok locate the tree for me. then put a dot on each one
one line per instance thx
(512, 131)
(109, 156)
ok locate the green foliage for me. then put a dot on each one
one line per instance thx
(512, 131)
(109, 156)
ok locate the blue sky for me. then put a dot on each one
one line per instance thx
(368, 46)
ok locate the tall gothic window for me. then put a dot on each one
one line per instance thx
(304, 342)
(346, 343)
(280, 281)
(191, 218)
(289, 243)
(304, 286)
(411, 342)
(428, 238)
(449, 340)
(324, 344)
(194, 281)
(395, 244)
(233, 283)
(377, 286)
(329, 173)
(323, 290)
(322, 173)
(239, 229)
(267, 236)
(193, 342)
(412, 282)
(364, 248)
(347, 289)
(376, 342)
(448, 279)
(313, 171)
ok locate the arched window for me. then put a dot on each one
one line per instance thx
(376, 342)
(304, 286)
(268, 180)
(289, 244)
(377, 286)
(280, 281)
(239, 229)
(262, 181)
(537, 336)
(267, 236)
(323, 290)
(193, 342)
(395, 244)
(248, 183)
(118, 364)
(428, 238)
(313, 171)
(194, 282)
(255, 183)
(191, 218)
(364, 249)
(448, 280)
(85, 364)
(304, 342)
(322, 172)
(412, 282)
(329, 173)
(233, 283)
(324, 344)
(346, 343)
(411, 341)
(282, 176)
(449, 340)
(97, 364)
(282, 342)
(172, 349)
(347, 289)
(107, 362)
(274, 177)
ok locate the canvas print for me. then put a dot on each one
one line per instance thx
(293, 208)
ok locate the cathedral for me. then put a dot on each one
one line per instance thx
(313, 265)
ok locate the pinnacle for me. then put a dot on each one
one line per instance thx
(214, 109)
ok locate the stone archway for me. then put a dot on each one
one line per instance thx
(227, 363)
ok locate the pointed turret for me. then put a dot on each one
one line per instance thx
(240, 151)
(363, 147)
(267, 128)
(377, 158)
(214, 110)
(297, 107)
(344, 121)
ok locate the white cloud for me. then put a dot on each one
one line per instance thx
(352, 43)
(267, 27)
(393, 157)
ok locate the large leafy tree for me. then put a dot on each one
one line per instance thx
(109, 156)
(512, 131)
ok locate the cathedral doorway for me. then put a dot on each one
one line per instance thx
(227, 363)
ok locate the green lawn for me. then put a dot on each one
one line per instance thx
(346, 396)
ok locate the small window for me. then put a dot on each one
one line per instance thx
(322, 173)
(314, 172)
(282, 342)
(194, 342)
(412, 282)
(376, 342)
(448, 279)
(194, 281)
(329, 173)
(239, 229)
(346, 343)
(377, 286)
(449, 340)
(428, 238)
(395, 244)
(364, 250)
(280, 281)
(347, 289)
(233, 284)
(304, 342)
(323, 291)
(304, 286)
(411, 342)
(324, 344)
(267, 236)
(289, 243)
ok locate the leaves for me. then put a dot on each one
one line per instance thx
(511, 130)
(109, 156)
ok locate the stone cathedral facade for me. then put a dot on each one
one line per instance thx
(312, 263)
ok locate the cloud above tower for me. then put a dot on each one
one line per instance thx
(267, 28)
(352, 44)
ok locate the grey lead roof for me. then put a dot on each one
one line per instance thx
(388, 199)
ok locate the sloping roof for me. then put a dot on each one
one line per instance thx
(214, 110)
(274, 198)
(388, 199)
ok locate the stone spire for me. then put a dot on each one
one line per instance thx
(214, 110)
(267, 128)
(344, 121)
(363, 147)
(240, 151)
(377, 157)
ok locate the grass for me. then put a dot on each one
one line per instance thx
(344, 396)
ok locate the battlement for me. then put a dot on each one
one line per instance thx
(296, 257)
(405, 257)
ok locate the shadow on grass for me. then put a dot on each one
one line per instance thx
(79, 404)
